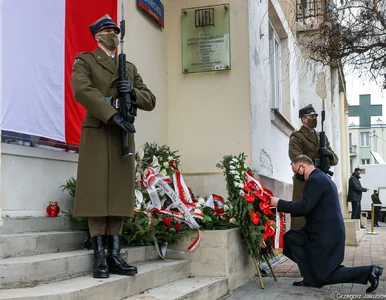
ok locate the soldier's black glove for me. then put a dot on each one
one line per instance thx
(125, 87)
(325, 152)
(122, 123)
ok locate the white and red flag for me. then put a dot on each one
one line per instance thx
(39, 40)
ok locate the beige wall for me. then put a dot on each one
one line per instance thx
(208, 113)
(145, 47)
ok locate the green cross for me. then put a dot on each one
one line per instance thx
(365, 111)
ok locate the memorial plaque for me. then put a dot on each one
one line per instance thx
(206, 39)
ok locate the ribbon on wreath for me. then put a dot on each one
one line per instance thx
(152, 180)
(279, 233)
(180, 186)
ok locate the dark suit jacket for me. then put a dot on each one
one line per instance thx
(324, 228)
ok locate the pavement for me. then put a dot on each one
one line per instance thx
(371, 250)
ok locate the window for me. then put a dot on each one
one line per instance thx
(365, 139)
(275, 68)
(366, 161)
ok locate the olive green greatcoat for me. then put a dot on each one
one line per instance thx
(105, 179)
(304, 142)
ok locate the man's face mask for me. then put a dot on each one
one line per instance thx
(109, 40)
(312, 122)
(299, 176)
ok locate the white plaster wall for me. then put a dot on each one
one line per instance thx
(269, 143)
(31, 177)
(145, 47)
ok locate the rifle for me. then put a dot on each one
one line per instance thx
(127, 110)
(323, 162)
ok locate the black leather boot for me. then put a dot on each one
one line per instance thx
(100, 269)
(114, 260)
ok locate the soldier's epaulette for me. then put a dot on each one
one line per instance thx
(79, 56)
(294, 134)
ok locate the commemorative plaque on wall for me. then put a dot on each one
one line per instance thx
(206, 39)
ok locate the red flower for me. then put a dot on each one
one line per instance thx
(177, 226)
(255, 217)
(264, 206)
(249, 198)
(269, 228)
(166, 221)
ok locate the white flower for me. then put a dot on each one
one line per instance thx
(245, 166)
(226, 207)
(232, 167)
(240, 185)
(201, 201)
(164, 172)
(231, 162)
(170, 158)
(234, 172)
(140, 153)
(234, 159)
(237, 177)
(166, 164)
(155, 161)
(232, 220)
(241, 193)
(138, 196)
(137, 176)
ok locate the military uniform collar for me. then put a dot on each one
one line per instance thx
(310, 135)
(104, 59)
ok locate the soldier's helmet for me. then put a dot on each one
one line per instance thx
(102, 23)
(307, 110)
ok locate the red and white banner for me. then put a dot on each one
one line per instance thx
(38, 45)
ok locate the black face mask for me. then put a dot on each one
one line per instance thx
(300, 177)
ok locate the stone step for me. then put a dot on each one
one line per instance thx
(34, 224)
(34, 243)
(28, 271)
(197, 288)
(151, 274)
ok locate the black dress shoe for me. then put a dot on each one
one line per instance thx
(263, 273)
(298, 283)
(114, 260)
(373, 278)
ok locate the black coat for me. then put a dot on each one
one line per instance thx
(355, 189)
(324, 249)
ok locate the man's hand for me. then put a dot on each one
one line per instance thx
(123, 124)
(125, 87)
(274, 201)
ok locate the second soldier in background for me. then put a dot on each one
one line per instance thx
(306, 141)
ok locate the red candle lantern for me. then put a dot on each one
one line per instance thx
(53, 209)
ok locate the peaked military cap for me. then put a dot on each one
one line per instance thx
(307, 110)
(101, 23)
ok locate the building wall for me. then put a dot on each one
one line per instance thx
(145, 46)
(32, 177)
(209, 114)
(377, 143)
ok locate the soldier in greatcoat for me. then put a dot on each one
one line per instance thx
(105, 179)
(306, 141)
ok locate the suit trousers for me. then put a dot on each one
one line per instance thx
(356, 210)
(105, 225)
(377, 210)
(294, 242)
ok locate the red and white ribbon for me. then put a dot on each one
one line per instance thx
(180, 186)
(280, 229)
(153, 180)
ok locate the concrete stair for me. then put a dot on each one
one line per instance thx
(187, 288)
(47, 264)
